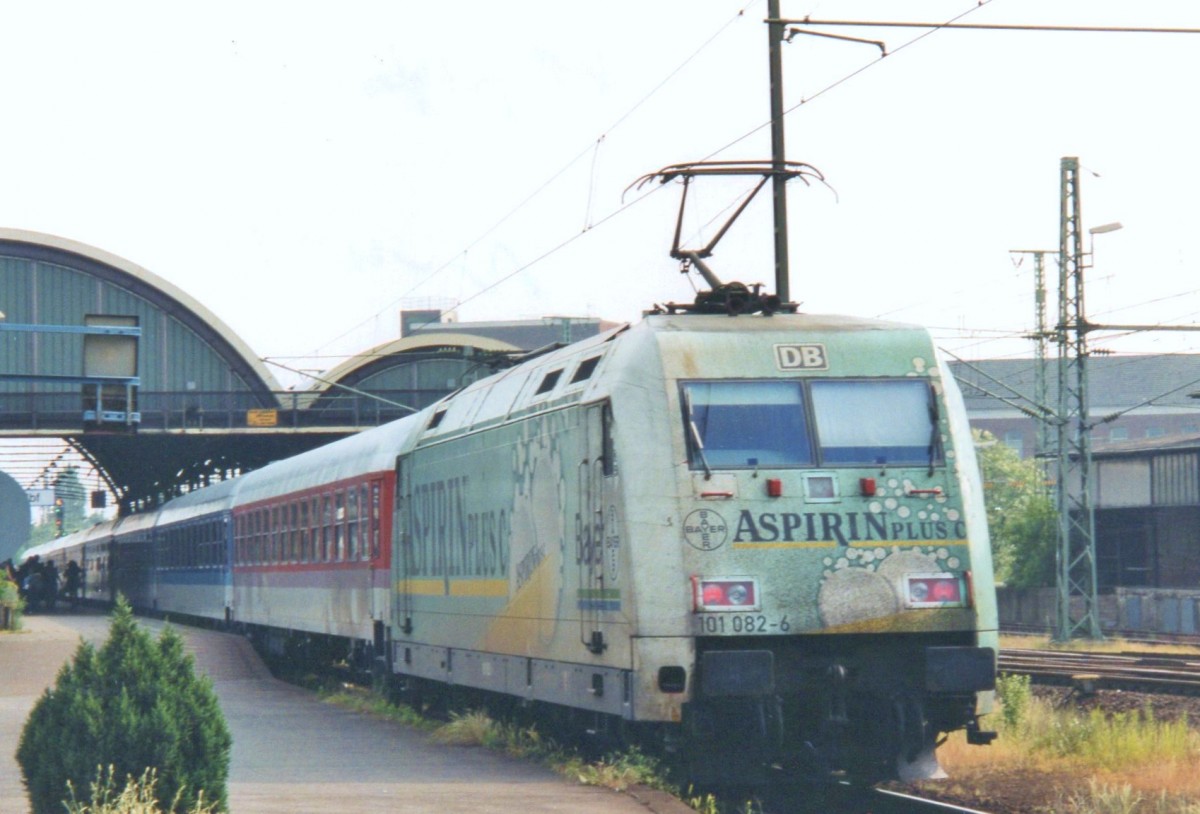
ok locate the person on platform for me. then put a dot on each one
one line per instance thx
(72, 582)
(50, 585)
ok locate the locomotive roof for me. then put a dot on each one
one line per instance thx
(776, 322)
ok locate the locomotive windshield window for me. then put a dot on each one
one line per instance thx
(876, 422)
(746, 424)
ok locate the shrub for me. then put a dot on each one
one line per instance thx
(1015, 692)
(135, 704)
(10, 598)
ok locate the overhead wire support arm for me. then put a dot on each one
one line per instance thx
(1084, 29)
(792, 32)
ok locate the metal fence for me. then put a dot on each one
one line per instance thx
(191, 410)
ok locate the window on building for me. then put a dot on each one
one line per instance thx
(1015, 440)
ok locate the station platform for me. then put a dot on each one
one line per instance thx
(294, 753)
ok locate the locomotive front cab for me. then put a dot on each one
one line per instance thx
(838, 568)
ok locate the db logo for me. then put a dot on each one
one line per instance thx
(801, 357)
(705, 529)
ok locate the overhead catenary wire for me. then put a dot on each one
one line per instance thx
(592, 148)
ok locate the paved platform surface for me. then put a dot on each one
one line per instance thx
(294, 753)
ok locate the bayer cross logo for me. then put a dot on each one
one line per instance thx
(705, 529)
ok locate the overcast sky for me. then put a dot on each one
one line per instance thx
(304, 169)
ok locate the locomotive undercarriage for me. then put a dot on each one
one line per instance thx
(866, 707)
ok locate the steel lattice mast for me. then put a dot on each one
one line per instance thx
(1078, 612)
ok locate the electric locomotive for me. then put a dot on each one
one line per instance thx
(760, 531)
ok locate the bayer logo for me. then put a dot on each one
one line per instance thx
(705, 529)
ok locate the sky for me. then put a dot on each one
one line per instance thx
(305, 170)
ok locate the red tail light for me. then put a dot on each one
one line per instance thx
(724, 594)
(935, 591)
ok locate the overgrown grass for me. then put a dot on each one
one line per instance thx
(370, 703)
(1100, 798)
(1133, 762)
(136, 797)
(617, 770)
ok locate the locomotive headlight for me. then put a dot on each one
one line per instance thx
(724, 594)
(934, 591)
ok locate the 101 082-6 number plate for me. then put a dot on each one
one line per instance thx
(741, 624)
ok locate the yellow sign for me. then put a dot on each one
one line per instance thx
(262, 418)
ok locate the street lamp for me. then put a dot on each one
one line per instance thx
(1100, 230)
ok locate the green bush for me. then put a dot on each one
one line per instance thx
(133, 705)
(10, 598)
(1015, 692)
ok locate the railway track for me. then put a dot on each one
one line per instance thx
(893, 802)
(849, 799)
(1165, 673)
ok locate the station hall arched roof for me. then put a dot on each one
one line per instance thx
(51, 279)
(364, 365)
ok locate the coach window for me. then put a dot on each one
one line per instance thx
(303, 521)
(339, 525)
(745, 424)
(294, 532)
(876, 422)
(352, 523)
(326, 526)
(375, 521)
(264, 536)
(314, 533)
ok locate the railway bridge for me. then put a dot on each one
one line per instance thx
(159, 395)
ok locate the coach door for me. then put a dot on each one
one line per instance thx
(402, 553)
(595, 590)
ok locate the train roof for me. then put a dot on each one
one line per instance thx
(213, 498)
(98, 531)
(369, 451)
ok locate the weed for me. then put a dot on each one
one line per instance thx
(137, 797)
(470, 728)
(620, 770)
(1015, 694)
